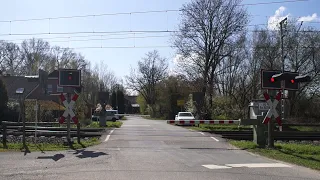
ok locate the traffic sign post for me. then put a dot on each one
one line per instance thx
(272, 112)
(68, 113)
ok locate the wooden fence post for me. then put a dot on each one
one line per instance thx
(4, 136)
(78, 132)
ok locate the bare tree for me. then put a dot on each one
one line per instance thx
(34, 53)
(106, 76)
(10, 58)
(207, 26)
(152, 69)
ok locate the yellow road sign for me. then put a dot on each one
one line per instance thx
(180, 102)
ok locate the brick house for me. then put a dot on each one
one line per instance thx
(131, 105)
(32, 89)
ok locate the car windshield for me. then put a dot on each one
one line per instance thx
(185, 114)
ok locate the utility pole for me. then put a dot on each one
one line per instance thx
(283, 59)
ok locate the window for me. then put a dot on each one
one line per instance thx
(59, 88)
(185, 114)
(49, 88)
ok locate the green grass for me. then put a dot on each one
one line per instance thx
(307, 155)
(49, 146)
(116, 124)
(124, 118)
(305, 128)
(218, 127)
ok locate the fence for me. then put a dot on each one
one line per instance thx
(46, 129)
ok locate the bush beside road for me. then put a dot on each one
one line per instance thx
(302, 154)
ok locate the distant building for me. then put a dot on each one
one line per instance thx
(131, 105)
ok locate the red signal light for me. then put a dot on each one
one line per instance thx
(70, 77)
(272, 80)
(292, 81)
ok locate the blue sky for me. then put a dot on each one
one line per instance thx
(119, 60)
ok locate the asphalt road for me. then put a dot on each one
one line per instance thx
(150, 150)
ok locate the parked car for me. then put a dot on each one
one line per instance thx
(111, 115)
(184, 116)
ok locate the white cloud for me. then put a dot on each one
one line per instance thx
(273, 21)
(313, 17)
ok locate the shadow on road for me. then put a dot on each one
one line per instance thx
(25, 149)
(88, 154)
(55, 157)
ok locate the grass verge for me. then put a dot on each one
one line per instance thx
(304, 128)
(123, 118)
(50, 147)
(116, 124)
(307, 155)
(218, 127)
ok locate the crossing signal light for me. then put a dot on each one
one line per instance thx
(289, 81)
(292, 81)
(272, 80)
(269, 82)
(69, 77)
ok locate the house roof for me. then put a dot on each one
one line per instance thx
(14, 82)
(54, 74)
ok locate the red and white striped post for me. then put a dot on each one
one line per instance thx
(68, 111)
(272, 111)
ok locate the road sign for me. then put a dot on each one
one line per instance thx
(272, 110)
(69, 77)
(263, 106)
(180, 102)
(69, 108)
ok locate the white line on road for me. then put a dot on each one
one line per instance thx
(248, 165)
(201, 133)
(258, 165)
(108, 136)
(212, 166)
(214, 138)
(135, 125)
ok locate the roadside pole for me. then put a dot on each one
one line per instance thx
(36, 124)
(283, 59)
(270, 123)
(68, 120)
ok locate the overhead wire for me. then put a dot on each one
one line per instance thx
(137, 12)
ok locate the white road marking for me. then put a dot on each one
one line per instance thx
(258, 165)
(201, 133)
(108, 136)
(135, 125)
(214, 138)
(212, 166)
(248, 165)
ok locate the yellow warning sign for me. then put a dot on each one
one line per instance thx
(180, 102)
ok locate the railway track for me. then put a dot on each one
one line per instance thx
(278, 135)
